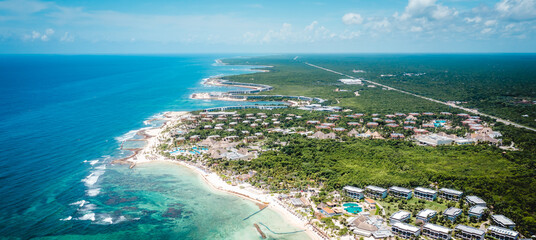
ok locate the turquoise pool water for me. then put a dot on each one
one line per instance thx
(353, 208)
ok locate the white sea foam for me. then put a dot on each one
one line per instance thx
(92, 178)
(87, 216)
(129, 135)
(107, 220)
(92, 192)
(88, 208)
(120, 219)
(93, 162)
(67, 218)
(80, 203)
(101, 167)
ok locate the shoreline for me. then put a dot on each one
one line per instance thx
(149, 154)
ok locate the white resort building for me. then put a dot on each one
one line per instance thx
(425, 193)
(400, 216)
(450, 194)
(354, 192)
(502, 233)
(425, 215)
(503, 221)
(475, 201)
(435, 231)
(400, 192)
(375, 192)
(405, 230)
(477, 211)
(468, 233)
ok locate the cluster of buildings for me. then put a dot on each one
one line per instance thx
(501, 228)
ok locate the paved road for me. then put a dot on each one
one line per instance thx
(473, 111)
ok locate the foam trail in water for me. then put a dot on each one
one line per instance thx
(92, 178)
(67, 218)
(129, 135)
(88, 216)
(79, 203)
(92, 192)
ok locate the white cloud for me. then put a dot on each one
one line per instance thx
(382, 25)
(518, 10)
(416, 29)
(352, 19)
(24, 6)
(49, 31)
(473, 20)
(347, 35)
(67, 37)
(44, 38)
(490, 23)
(426, 9)
(311, 26)
(486, 30)
(35, 34)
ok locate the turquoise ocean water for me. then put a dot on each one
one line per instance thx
(62, 119)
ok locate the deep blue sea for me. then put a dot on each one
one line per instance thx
(62, 119)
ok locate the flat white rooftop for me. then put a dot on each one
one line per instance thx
(468, 229)
(475, 200)
(426, 213)
(502, 220)
(503, 231)
(399, 189)
(425, 190)
(353, 189)
(376, 189)
(400, 215)
(437, 228)
(451, 191)
(406, 227)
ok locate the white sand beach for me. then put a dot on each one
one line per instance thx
(148, 154)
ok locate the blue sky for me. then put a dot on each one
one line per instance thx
(316, 26)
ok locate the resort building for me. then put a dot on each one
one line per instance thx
(400, 192)
(503, 221)
(296, 202)
(502, 233)
(371, 204)
(450, 194)
(400, 216)
(355, 193)
(468, 233)
(452, 213)
(405, 230)
(375, 192)
(435, 231)
(475, 201)
(372, 124)
(364, 225)
(328, 212)
(433, 139)
(397, 135)
(425, 193)
(477, 211)
(425, 215)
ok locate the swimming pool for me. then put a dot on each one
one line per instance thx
(353, 208)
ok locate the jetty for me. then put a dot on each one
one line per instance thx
(260, 231)
(251, 215)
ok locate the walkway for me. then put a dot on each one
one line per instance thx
(473, 111)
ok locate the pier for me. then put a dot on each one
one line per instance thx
(260, 231)
(279, 233)
(254, 213)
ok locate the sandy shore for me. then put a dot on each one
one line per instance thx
(149, 153)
